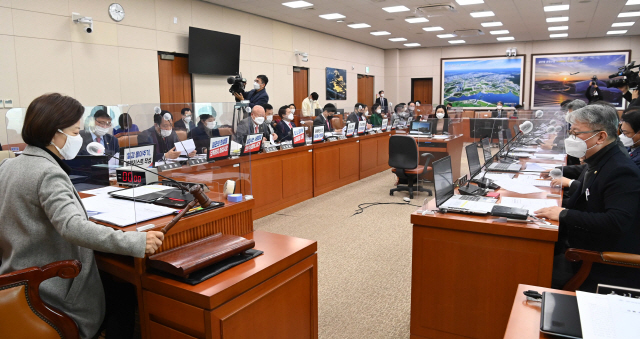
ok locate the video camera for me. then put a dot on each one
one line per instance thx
(237, 83)
(625, 77)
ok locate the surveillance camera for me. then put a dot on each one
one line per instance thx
(305, 58)
(89, 29)
(78, 19)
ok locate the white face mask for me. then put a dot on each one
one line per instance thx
(293, 110)
(269, 118)
(259, 120)
(290, 116)
(378, 111)
(382, 95)
(211, 125)
(165, 132)
(71, 146)
(411, 108)
(439, 115)
(626, 141)
(577, 147)
(417, 104)
(187, 118)
(100, 131)
(256, 86)
(499, 107)
(366, 113)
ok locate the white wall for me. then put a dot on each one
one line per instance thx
(425, 62)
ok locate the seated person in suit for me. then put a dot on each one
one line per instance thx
(498, 112)
(285, 124)
(323, 119)
(271, 124)
(186, 123)
(253, 124)
(203, 133)
(162, 135)
(603, 213)
(99, 132)
(126, 125)
(449, 105)
(440, 125)
(411, 109)
(293, 108)
(630, 133)
(399, 114)
(358, 114)
(376, 116)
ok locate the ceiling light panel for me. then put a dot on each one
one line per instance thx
(628, 14)
(362, 25)
(559, 35)
(623, 24)
(457, 41)
(556, 8)
(416, 20)
(397, 39)
(491, 24)
(380, 33)
(413, 44)
(558, 19)
(632, 2)
(503, 31)
(297, 4)
(434, 28)
(505, 38)
(469, 2)
(396, 9)
(558, 28)
(482, 14)
(617, 32)
(446, 36)
(332, 16)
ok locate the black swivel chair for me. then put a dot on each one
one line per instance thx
(403, 158)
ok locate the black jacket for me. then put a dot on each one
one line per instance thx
(499, 113)
(201, 138)
(163, 145)
(283, 131)
(384, 102)
(321, 121)
(355, 117)
(591, 97)
(180, 126)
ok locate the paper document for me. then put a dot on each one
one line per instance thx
(185, 147)
(235, 147)
(517, 186)
(557, 157)
(539, 167)
(102, 190)
(533, 180)
(141, 212)
(441, 137)
(529, 204)
(142, 190)
(521, 154)
(525, 149)
(605, 316)
(495, 176)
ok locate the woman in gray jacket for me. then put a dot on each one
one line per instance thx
(43, 219)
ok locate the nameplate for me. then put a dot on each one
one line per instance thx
(15, 149)
(270, 149)
(379, 131)
(199, 161)
(342, 137)
(168, 167)
(332, 139)
(286, 146)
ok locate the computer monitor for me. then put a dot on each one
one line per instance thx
(486, 149)
(421, 126)
(500, 139)
(473, 159)
(443, 180)
(219, 148)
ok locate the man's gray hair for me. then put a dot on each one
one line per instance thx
(598, 117)
(576, 104)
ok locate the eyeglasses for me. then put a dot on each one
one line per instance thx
(103, 123)
(574, 134)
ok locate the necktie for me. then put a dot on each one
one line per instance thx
(98, 139)
(256, 129)
(288, 123)
(328, 127)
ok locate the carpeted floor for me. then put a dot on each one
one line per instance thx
(364, 261)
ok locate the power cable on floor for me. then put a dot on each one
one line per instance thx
(361, 208)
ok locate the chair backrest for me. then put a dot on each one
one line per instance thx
(403, 152)
(309, 129)
(182, 135)
(23, 314)
(128, 141)
(224, 131)
(337, 123)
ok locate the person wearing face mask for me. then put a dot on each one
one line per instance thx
(258, 95)
(125, 125)
(358, 114)
(323, 119)
(411, 109)
(253, 124)
(204, 131)
(186, 123)
(44, 220)
(376, 116)
(400, 114)
(269, 122)
(602, 214)
(440, 124)
(630, 133)
(163, 136)
(285, 124)
(310, 104)
(498, 112)
(593, 93)
(383, 102)
(99, 132)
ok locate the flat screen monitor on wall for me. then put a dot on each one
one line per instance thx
(212, 52)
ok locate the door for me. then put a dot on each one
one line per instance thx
(175, 82)
(365, 90)
(422, 89)
(300, 90)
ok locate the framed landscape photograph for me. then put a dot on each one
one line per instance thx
(477, 83)
(336, 83)
(559, 77)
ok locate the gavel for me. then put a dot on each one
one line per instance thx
(200, 197)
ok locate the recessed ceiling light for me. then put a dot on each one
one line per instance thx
(482, 14)
(380, 33)
(433, 28)
(558, 19)
(395, 9)
(617, 32)
(556, 8)
(628, 14)
(469, 2)
(416, 20)
(332, 16)
(446, 36)
(340, 21)
(457, 41)
(623, 24)
(504, 31)
(397, 39)
(632, 2)
(297, 4)
(362, 25)
(558, 28)
(491, 24)
(559, 35)
(413, 44)
(505, 38)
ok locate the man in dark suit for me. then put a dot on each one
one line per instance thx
(162, 135)
(593, 93)
(357, 115)
(99, 132)
(258, 95)
(384, 103)
(498, 112)
(603, 212)
(323, 119)
(286, 124)
(186, 123)
(253, 124)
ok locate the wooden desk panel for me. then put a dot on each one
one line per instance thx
(335, 164)
(374, 154)
(350, 161)
(524, 320)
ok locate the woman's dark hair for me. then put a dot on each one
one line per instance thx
(632, 117)
(122, 122)
(314, 96)
(374, 108)
(157, 118)
(446, 115)
(282, 111)
(46, 115)
(203, 118)
(294, 106)
(398, 106)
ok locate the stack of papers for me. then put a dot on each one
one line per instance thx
(142, 190)
(533, 180)
(529, 204)
(526, 149)
(185, 147)
(539, 167)
(121, 212)
(102, 190)
(557, 157)
(517, 186)
(440, 137)
(605, 316)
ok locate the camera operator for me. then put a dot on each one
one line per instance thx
(630, 96)
(625, 79)
(594, 93)
(258, 95)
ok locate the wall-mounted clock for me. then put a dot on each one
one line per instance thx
(116, 12)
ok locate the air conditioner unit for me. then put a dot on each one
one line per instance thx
(468, 32)
(436, 9)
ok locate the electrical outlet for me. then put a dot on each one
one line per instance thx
(8, 103)
(175, 19)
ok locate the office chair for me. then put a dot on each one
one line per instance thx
(128, 141)
(590, 257)
(23, 314)
(403, 158)
(337, 123)
(182, 135)
(308, 124)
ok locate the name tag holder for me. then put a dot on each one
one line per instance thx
(199, 161)
(168, 167)
(270, 149)
(286, 146)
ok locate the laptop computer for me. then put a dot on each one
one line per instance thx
(499, 167)
(420, 127)
(473, 159)
(447, 201)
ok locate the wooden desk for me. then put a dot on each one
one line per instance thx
(466, 268)
(524, 321)
(272, 296)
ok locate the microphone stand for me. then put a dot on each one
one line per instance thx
(487, 163)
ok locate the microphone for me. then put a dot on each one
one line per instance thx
(539, 114)
(553, 122)
(526, 127)
(555, 173)
(550, 129)
(558, 129)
